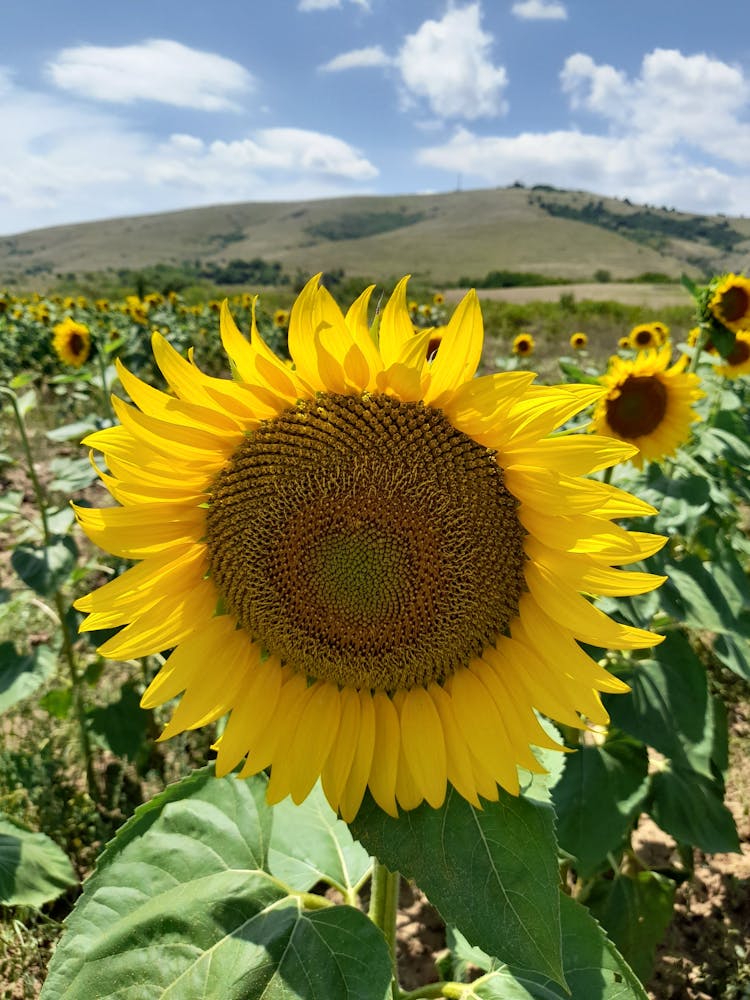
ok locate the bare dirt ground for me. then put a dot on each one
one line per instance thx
(648, 296)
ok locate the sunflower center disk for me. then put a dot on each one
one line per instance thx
(367, 542)
(640, 407)
(735, 303)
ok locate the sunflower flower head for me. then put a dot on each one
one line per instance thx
(623, 344)
(648, 403)
(578, 341)
(643, 336)
(524, 345)
(281, 319)
(729, 301)
(72, 342)
(372, 561)
(737, 362)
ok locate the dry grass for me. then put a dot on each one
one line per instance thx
(458, 233)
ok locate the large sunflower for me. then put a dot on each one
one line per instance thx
(372, 561)
(72, 342)
(730, 302)
(648, 404)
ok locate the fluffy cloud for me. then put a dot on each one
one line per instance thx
(540, 10)
(155, 70)
(447, 64)
(45, 181)
(676, 135)
(606, 164)
(310, 5)
(365, 58)
(676, 98)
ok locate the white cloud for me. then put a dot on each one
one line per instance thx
(155, 70)
(311, 5)
(695, 99)
(540, 10)
(677, 134)
(447, 64)
(371, 56)
(64, 162)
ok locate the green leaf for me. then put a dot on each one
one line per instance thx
(71, 475)
(45, 568)
(33, 869)
(72, 432)
(576, 374)
(491, 872)
(10, 504)
(20, 675)
(57, 701)
(309, 844)
(635, 912)
(692, 596)
(668, 707)
(181, 905)
(601, 790)
(594, 969)
(689, 806)
(122, 725)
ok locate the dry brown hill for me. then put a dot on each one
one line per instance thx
(439, 237)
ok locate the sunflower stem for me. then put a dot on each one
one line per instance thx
(103, 379)
(383, 911)
(67, 644)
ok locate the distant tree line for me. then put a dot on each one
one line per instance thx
(645, 225)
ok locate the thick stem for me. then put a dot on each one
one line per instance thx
(383, 911)
(69, 655)
(103, 379)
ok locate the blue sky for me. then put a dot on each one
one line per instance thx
(119, 109)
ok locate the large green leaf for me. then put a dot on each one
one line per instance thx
(33, 869)
(182, 905)
(45, 568)
(601, 790)
(668, 707)
(309, 844)
(121, 725)
(21, 675)
(635, 912)
(689, 806)
(491, 872)
(594, 969)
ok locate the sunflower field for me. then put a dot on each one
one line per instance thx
(342, 655)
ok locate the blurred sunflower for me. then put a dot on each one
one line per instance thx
(642, 336)
(72, 342)
(661, 330)
(523, 345)
(648, 404)
(730, 301)
(372, 562)
(624, 343)
(578, 341)
(737, 362)
(281, 319)
(438, 299)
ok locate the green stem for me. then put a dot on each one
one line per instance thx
(698, 348)
(103, 379)
(451, 991)
(41, 499)
(75, 677)
(383, 911)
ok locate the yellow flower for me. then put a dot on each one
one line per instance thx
(438, 299)
(644, 335)
(648, 404)
(281, 318)
(738, 360)
(624, 343)
(374, 563)
(578, 341)
(661, 330)
(523, 345)
(72, 342)
(730, 303)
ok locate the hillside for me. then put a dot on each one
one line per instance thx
(439, 237)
